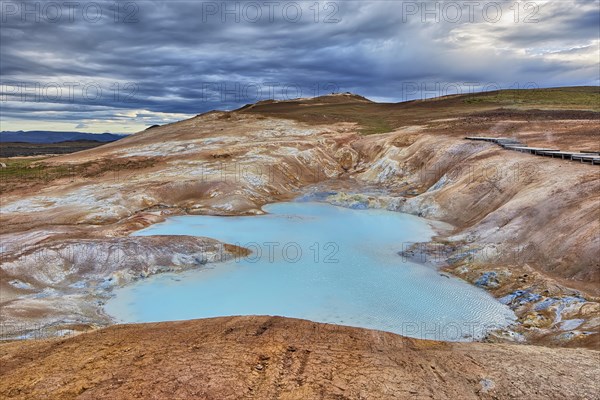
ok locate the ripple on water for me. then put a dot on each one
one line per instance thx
(318, 262)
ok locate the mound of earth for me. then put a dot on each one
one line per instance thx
(280, 358)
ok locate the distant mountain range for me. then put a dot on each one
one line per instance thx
(56, 137)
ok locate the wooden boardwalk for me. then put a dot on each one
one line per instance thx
(588, 157)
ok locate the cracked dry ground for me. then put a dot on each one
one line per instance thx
(280, 358)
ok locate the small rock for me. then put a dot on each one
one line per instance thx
(487, 385)
(488, 279)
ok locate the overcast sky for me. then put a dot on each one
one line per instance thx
(97, 67)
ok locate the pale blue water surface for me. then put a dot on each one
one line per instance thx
(318, 262)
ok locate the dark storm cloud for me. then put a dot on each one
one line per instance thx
(154, 57)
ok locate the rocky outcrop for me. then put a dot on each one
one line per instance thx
(60, 286)
(347, 157)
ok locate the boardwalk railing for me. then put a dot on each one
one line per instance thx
(584, 156)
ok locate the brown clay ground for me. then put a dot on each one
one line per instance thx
(280, 358)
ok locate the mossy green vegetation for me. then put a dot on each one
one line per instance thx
(570, 98)
(30, 171)
(28, 168)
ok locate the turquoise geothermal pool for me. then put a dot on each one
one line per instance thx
(318, 262)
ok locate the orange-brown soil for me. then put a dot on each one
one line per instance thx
(281, 358)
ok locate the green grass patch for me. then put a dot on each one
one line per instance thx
(27, 169)
(579, 98)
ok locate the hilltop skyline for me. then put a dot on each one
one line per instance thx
(115, 69)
